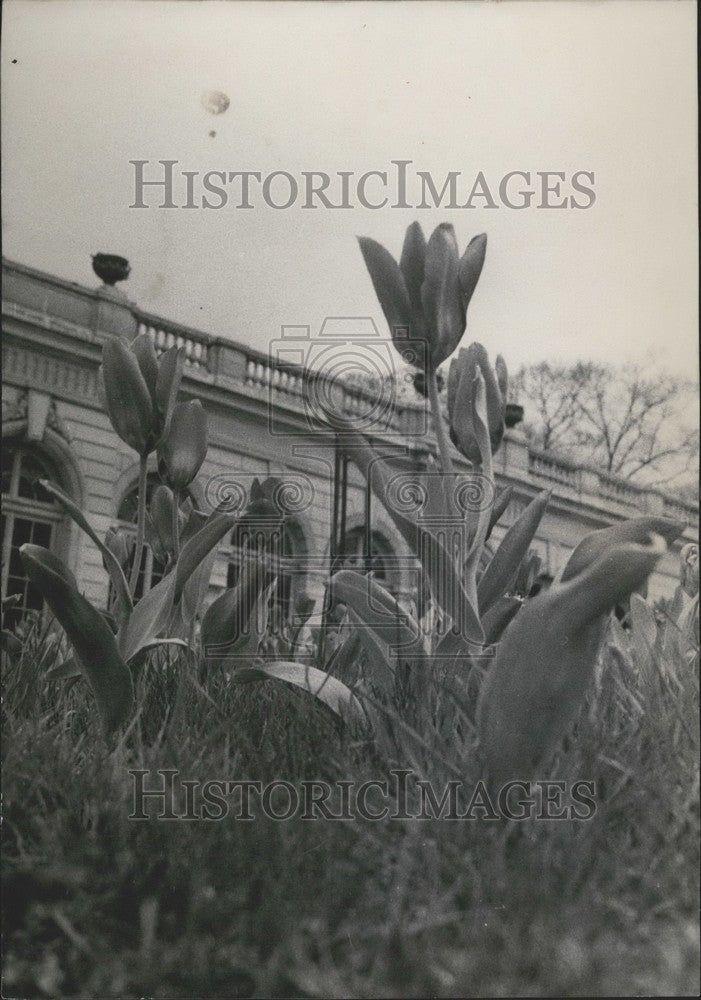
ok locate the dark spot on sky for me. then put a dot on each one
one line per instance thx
(14, 62)
(212, 134)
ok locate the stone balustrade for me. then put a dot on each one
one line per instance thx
(44, 302)
(166, 335)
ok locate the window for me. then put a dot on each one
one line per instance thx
(29, 515)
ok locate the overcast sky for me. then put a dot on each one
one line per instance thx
(492, 87)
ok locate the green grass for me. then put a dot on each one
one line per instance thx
(98, 905)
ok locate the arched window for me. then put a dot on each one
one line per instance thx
(354, 554)
(279, 556)
(29, 514)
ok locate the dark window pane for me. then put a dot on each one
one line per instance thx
(32, 469)
(24, 530)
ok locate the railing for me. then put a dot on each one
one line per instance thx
(261, 374)
(291, 382)
(680, 510)
(167, 335)
(39, 298)
(551, 467)
(613, 488)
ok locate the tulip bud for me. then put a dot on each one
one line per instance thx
(184, 447)
(461, 377)
(120, 543)
(159, 524)
(429, 291)
(138, 390)
(127, 397)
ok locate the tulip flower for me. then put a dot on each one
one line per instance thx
(139, 389)
(461, 378)
(183, 448)
(139, 392)
(428, 292)
(546, 657)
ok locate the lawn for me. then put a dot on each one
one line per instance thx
(101, 905)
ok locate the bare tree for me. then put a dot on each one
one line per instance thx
(637, 425)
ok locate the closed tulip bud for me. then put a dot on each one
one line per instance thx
(183, 448)
(138, 389)
(127, 397)
(120, 543)
(461, 378)
(428, 292)
(159, 524)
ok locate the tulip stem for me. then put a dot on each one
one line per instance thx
(176, 526)
(140, 523)
(438, 423)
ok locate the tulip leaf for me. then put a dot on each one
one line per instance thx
(324, 687)
(149, 617)
(505, 563)
(377, 652)
(546, 659)
(68, 670)
(375, 608)
(439, 565)
(153, 612)
(230, 624)
(635, 529)
(499, 506)
(496, 620)
(113, 568)
(93, 643)
(198, 547)
(195, 589)
(345, 654)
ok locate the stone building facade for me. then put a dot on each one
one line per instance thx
(262, 410)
